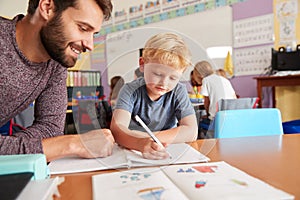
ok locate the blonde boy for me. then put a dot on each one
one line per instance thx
(158, 98)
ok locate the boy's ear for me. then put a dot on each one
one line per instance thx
(141, 64)
(46, 9)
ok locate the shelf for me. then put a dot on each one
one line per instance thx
(83, 78)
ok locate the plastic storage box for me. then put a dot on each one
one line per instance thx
(35, 163)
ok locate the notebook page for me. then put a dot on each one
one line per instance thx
(180, 153)
(76, 164)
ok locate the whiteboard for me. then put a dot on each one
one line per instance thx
(200, 31)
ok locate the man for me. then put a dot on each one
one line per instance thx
(36, 51)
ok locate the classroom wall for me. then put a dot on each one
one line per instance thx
(245, 86)
(10, 8)
(287, 98)
(199, 34)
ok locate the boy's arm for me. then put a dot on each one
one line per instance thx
(135, 140)
(128, 138)
(186, 131)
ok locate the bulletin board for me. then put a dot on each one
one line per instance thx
(287, 18)
(197, 31)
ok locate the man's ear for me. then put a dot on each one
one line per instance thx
(141, 63)
(46, 9)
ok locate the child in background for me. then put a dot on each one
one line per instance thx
(214, 88)
(221, 72)
(158, 99)
(138, 72)
(195, 87)
(116, 84)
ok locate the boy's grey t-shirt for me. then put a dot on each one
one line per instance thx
(158, 115)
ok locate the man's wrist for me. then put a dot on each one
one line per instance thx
(73, 146)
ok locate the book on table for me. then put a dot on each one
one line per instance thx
(124, 158)
(209, 181)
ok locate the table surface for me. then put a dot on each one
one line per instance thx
(272, 159)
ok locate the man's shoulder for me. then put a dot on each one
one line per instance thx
(5, 23)
(7, 27)
(5, 19)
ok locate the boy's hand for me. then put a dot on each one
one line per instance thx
(153, 151)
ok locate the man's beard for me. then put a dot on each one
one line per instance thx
(53, 39)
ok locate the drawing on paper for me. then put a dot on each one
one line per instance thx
(133, 177)
(200, 184)
(206, 169)
(239, 182)
(153, 193)
(189, 170)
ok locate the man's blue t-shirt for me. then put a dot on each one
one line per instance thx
(158, 115)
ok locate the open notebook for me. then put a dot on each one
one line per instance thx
(123, 158)
(209, 181)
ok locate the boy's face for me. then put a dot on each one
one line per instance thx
(65, 37)
(160, 79)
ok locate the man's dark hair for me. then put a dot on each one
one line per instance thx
(61, 5)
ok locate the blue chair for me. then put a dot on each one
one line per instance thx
(248, 122)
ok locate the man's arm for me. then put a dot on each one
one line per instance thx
(49, 109)
(93, 144)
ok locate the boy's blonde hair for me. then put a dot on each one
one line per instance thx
(168, 49)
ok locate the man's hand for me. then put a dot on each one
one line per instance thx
(96, 143)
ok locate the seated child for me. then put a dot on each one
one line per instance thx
(214, 87)
(116, 84)
(158, 99)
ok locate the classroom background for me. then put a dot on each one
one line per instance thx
(247, 29)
